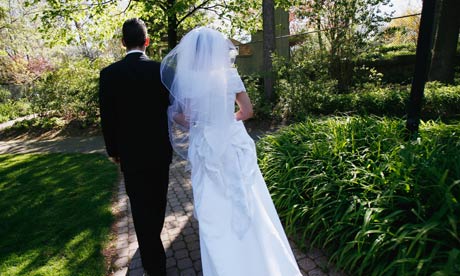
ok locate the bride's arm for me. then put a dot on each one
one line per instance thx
(245, 107)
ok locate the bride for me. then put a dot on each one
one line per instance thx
(239, 228)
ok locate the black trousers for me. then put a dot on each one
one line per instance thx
(147, 192)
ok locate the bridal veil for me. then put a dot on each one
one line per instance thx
(195, 73)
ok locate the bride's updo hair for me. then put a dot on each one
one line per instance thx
(134, 33)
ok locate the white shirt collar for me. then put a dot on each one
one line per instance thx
(135, 51)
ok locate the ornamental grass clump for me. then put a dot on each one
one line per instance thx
(378, 203)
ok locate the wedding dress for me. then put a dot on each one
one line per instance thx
(239, 228)
(240, 231)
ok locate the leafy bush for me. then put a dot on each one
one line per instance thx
(71, 91)
(11, 109)
(298, 101)
(378, 203)
(5, 94)
(254, 88)
(44, 123)
(441, 100)
(389, 51)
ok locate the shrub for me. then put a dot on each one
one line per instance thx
(71, 91)
(254, 88)
(11, 109)
(379, 204)
(298, 101)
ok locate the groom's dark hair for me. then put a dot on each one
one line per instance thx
(134, 33)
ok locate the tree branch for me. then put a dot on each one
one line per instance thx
(200, 6)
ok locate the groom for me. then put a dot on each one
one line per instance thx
(133, 104)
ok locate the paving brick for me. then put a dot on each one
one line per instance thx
(123, 252)
(322, 261)
(314, 253)
(317, 272)
(121, 262)
(188, 272)
(178, 245)
(171, 262)
(197, 265)
(195, 255)
(306, 264)
(135, 263)
(122, 230)
(180, 254)
(169, 252)
(136, 272)
(132, 238)
(192, 237)
(193, 245)
(188, 231)
(122, 244)
(172, 272)
(184, 263)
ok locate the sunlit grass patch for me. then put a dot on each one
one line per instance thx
(55, 213)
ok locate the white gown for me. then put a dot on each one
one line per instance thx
(239, 228)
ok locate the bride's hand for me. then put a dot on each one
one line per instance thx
(180, 119)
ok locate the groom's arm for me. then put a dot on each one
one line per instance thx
(108, 113)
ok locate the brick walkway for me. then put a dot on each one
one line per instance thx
(180, 235)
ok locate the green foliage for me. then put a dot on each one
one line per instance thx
(441, 100)
(254, 87)
(347, 29)
(299, 101)
(379, 204)
(38, 124)
(55, 213)
(12, 109)
(87, 25)
(71, 22)
(70, 91)
(303, 89)
(22, 51)
(229, 16)
(22, 70)
(389, 51)
(403, 30)
(5, 94)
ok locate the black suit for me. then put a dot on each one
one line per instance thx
(133, 104)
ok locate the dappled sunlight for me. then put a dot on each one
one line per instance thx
(58, 206)
(92, 144)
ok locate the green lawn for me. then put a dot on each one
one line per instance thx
(55, 213)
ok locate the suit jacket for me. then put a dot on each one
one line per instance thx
(133, 105)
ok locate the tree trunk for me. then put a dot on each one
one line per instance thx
(268, 13)
(172, 26)
(445, 42)
(320, 38)
(422, 63)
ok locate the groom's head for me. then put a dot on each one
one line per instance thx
(135, 34)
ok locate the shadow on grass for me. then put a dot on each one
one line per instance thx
(55, 213)
(90, 144)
